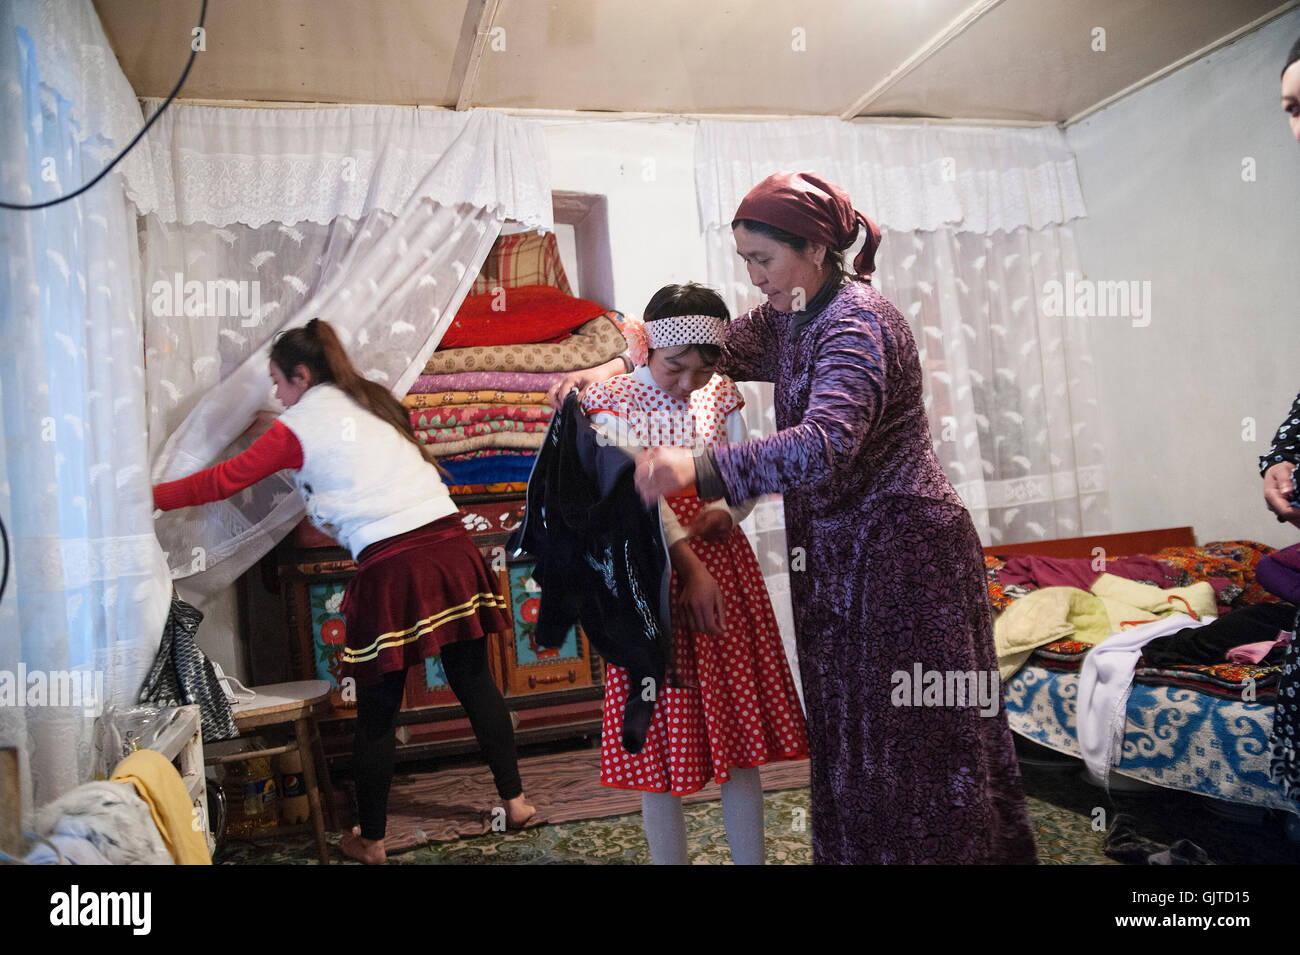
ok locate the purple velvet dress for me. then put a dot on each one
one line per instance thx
(892, 577)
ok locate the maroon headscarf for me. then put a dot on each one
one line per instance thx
(804, 204)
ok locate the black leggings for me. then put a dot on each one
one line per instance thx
(375, 749)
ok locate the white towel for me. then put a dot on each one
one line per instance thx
(1104, 684)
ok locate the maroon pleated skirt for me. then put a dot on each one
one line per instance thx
(415, 593)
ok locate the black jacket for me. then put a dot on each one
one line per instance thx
(601, 559)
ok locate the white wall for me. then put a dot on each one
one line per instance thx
(1161, 172)
(218, 634)
(647, 170)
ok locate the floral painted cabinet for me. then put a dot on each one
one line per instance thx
(536, 680)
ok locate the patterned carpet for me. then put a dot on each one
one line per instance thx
(1064, 811)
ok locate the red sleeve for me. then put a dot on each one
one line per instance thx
(274, 451)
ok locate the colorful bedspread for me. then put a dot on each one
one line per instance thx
(1177, 738)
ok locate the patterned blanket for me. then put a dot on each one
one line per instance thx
(460, 432)
(506, 439)
(457, 415)
(475, 396)
(593, 343)
(540, 381)
(1176, 738)
(511, 488)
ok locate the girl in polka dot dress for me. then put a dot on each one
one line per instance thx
(729, 704)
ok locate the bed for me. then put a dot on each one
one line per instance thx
(1201, 729)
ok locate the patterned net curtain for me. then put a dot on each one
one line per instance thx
(375, 219)
(87, 592)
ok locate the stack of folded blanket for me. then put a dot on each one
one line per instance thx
(481, 401)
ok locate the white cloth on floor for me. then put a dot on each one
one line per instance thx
(1104, 684)
(112, 818)
(74, 841)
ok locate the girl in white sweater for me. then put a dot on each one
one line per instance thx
(422, 587)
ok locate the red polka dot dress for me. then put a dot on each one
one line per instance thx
(729, 700)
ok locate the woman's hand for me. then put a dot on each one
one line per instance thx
(713, 525)
(1278, 490)
(262, 421)
(664, 471)
(700, 602)
(581, 378)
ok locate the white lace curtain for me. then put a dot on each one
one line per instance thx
(375, 219)
(976, 223)
(88, 592)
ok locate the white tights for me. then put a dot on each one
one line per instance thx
(742, 815)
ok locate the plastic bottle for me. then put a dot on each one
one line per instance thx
(250, 796)
(294, 808)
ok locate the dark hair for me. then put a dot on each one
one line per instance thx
(1292, 56)
(688, 299)
(316, 345)
(834, 257)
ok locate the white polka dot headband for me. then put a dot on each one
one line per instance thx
(667, 332)
(685, 330)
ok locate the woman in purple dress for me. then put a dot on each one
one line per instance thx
(892, 618)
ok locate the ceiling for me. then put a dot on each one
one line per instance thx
(992, 60)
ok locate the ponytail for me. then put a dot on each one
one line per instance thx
(318, 347)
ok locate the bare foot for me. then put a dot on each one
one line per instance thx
(367, 851)
(518, 812)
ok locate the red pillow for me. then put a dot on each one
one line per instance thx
(524, 315)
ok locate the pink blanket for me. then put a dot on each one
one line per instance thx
(496, 380)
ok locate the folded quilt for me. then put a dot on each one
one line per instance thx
(489, 453)
(437, 399)
(493, 470)
(476, 429)
(506, 439)
(526, 314)
(493, 380)
(524, 258)
(459, 415)
(501, 488)
(594, 343)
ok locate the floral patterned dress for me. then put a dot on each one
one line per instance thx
(887, 578)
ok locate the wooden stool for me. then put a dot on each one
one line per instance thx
(297, 703)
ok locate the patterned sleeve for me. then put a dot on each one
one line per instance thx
(1286, 443)
(844, 404)
(749, 353)
(596, 397)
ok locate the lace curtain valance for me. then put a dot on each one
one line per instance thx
(906, 177)
(223, 166)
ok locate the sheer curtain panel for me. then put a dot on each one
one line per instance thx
(88, 588)
(375, 219)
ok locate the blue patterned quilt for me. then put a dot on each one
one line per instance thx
(1177, 738)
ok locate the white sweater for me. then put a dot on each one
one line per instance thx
(360, 480)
